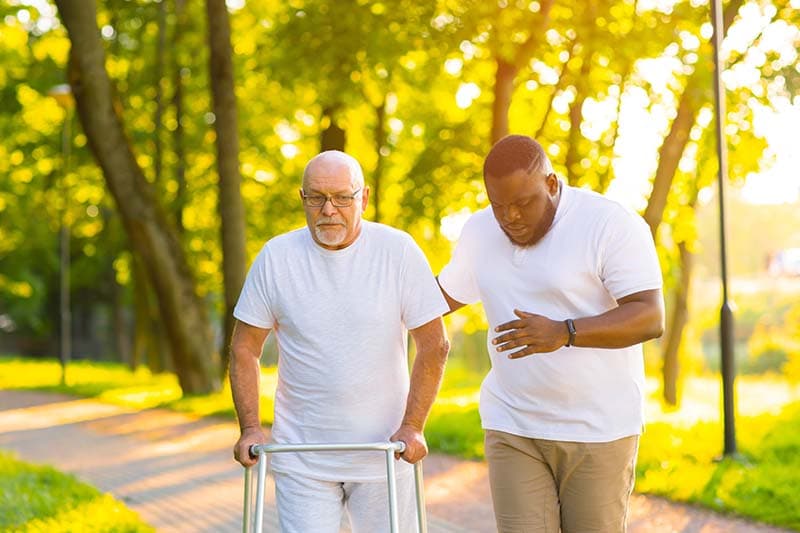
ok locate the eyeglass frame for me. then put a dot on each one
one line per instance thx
(330, 198)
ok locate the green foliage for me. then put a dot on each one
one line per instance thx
(766, 325)
(768, 349)
(680, 463)
(109, 381)
(39, 498)
(456, 429)
(393, 71)
(454, 425)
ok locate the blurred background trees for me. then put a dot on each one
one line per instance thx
(189, 139)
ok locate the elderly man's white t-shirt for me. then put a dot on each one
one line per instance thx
(341, 319)
(595, 253)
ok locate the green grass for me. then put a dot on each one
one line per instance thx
(678, 452)
(117, 384)
(763, 483)
(38, 498)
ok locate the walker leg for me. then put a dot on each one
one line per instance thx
(247, 518)
(262, 474)
(392, 481)
(422, 520)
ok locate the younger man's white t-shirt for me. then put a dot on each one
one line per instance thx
(595, 253)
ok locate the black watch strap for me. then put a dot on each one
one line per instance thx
(571, 330)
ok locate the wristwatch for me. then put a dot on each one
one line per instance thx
(571, 330)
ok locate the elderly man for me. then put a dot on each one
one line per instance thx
(571, 286)
(341, 296)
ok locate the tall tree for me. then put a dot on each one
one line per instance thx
(231, 208)
(150, 234)
(696, 91)
(509, 64)
(177, 102)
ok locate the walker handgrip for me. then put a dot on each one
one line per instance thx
(257, 449)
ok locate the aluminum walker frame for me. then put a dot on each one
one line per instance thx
(255, 523)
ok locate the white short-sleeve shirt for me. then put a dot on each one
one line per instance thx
(341, 319)
(595, 252)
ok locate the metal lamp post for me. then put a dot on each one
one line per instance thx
(728, 364)
(63, 95)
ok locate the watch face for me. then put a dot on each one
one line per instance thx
(571, 330)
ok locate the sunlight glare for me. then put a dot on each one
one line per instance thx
(286, 132)
(391, 103)
(664, 6)
(451, 225)
(53, 414)
(468, 49)
(598, 117)
(547, 75)
(395, 124)
(453, 66)
(562, 100)
(467, 92)
(778, 182)
(289, 151)
(689, 41)
(263, 176)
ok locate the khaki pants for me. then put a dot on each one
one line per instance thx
(550, 486)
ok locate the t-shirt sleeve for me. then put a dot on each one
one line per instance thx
(457, 278)
(422, 300)
(253, 306)
(629, 262)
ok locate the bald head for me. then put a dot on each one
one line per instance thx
(329, 162)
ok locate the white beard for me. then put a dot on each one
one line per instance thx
(330, 237)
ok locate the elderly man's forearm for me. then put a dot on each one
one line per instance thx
(426, 378)
(245, 378)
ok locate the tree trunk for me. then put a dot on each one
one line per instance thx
(507, 71)
(678, 320)
(332, 137)
(669, 155)
(151, 237)
(503, 92)
(119, 325)
(231, 207)
(573, 157)
(161, 51)
(177, 101)
(605, 178)
(562, 80)
(380, 142)
(148, 345)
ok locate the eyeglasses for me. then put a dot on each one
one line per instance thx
(337, 200)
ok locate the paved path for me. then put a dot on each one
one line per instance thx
(177, 471)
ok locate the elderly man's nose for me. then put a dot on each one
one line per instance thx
(328, 208)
